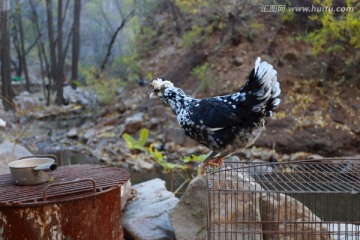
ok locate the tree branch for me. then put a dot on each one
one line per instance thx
(67, 44)
(106, 20)
(32, 45)
(111, 43)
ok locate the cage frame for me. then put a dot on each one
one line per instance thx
(333, 228)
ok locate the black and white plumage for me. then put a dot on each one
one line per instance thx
(224, 123)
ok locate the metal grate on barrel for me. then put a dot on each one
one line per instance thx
(311, 199)
(68, 183)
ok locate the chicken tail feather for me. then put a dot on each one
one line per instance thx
(262, 89)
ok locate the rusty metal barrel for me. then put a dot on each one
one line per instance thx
(81, 202)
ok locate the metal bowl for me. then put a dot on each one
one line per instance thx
(32, 170)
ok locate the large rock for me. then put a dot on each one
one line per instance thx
(146, 216)
(79, 96)
(189, 216)
(235, 206)
(134, 122)
(125, 193)
(286, 218)
(26, 101)
(176, 135)
(10, 152)
(2, 123)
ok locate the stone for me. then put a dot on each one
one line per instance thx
(10, 152)
(237, 61)
(123, 149)
(2, 123)
(298, 156)
(284, 214)
(140, 163)
(291, 56)
(264, 154)
(189, 216)
(259, 167)
(89, 134)
(26, 102)
(83, 101)
(146, 216)
(134, 123)
(120, 90)
(125, 193)
(79, 96)
(351, 166)
(234, 205)
(25, 93)
(176, 134)
(152, 123)
(72, 133)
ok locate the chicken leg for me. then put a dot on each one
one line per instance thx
(211, 160)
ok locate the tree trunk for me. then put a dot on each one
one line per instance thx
(60, 66)
(75, 44)
(52, 45)
(6, 89)
(17, 64)
(42, 55)
(23, 54)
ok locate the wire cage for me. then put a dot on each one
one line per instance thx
(300, 200)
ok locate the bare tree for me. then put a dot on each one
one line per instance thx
(22, 49)
(59, 75)
(18, 40)
(57, 58)
(6, 89)
(179, 19)
(44, 62)
(17, 64)
(75, 43)
(52, 45)
(113, 38)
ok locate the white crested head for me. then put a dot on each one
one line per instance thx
(158, 86)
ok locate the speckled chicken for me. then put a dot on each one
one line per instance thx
(224, 123)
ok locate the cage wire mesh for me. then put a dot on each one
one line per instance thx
(302, 200)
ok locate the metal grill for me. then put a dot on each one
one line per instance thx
(302, 200)
(69, 183)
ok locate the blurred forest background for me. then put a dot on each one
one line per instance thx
(75, 75)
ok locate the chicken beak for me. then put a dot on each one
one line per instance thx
(152, 94)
